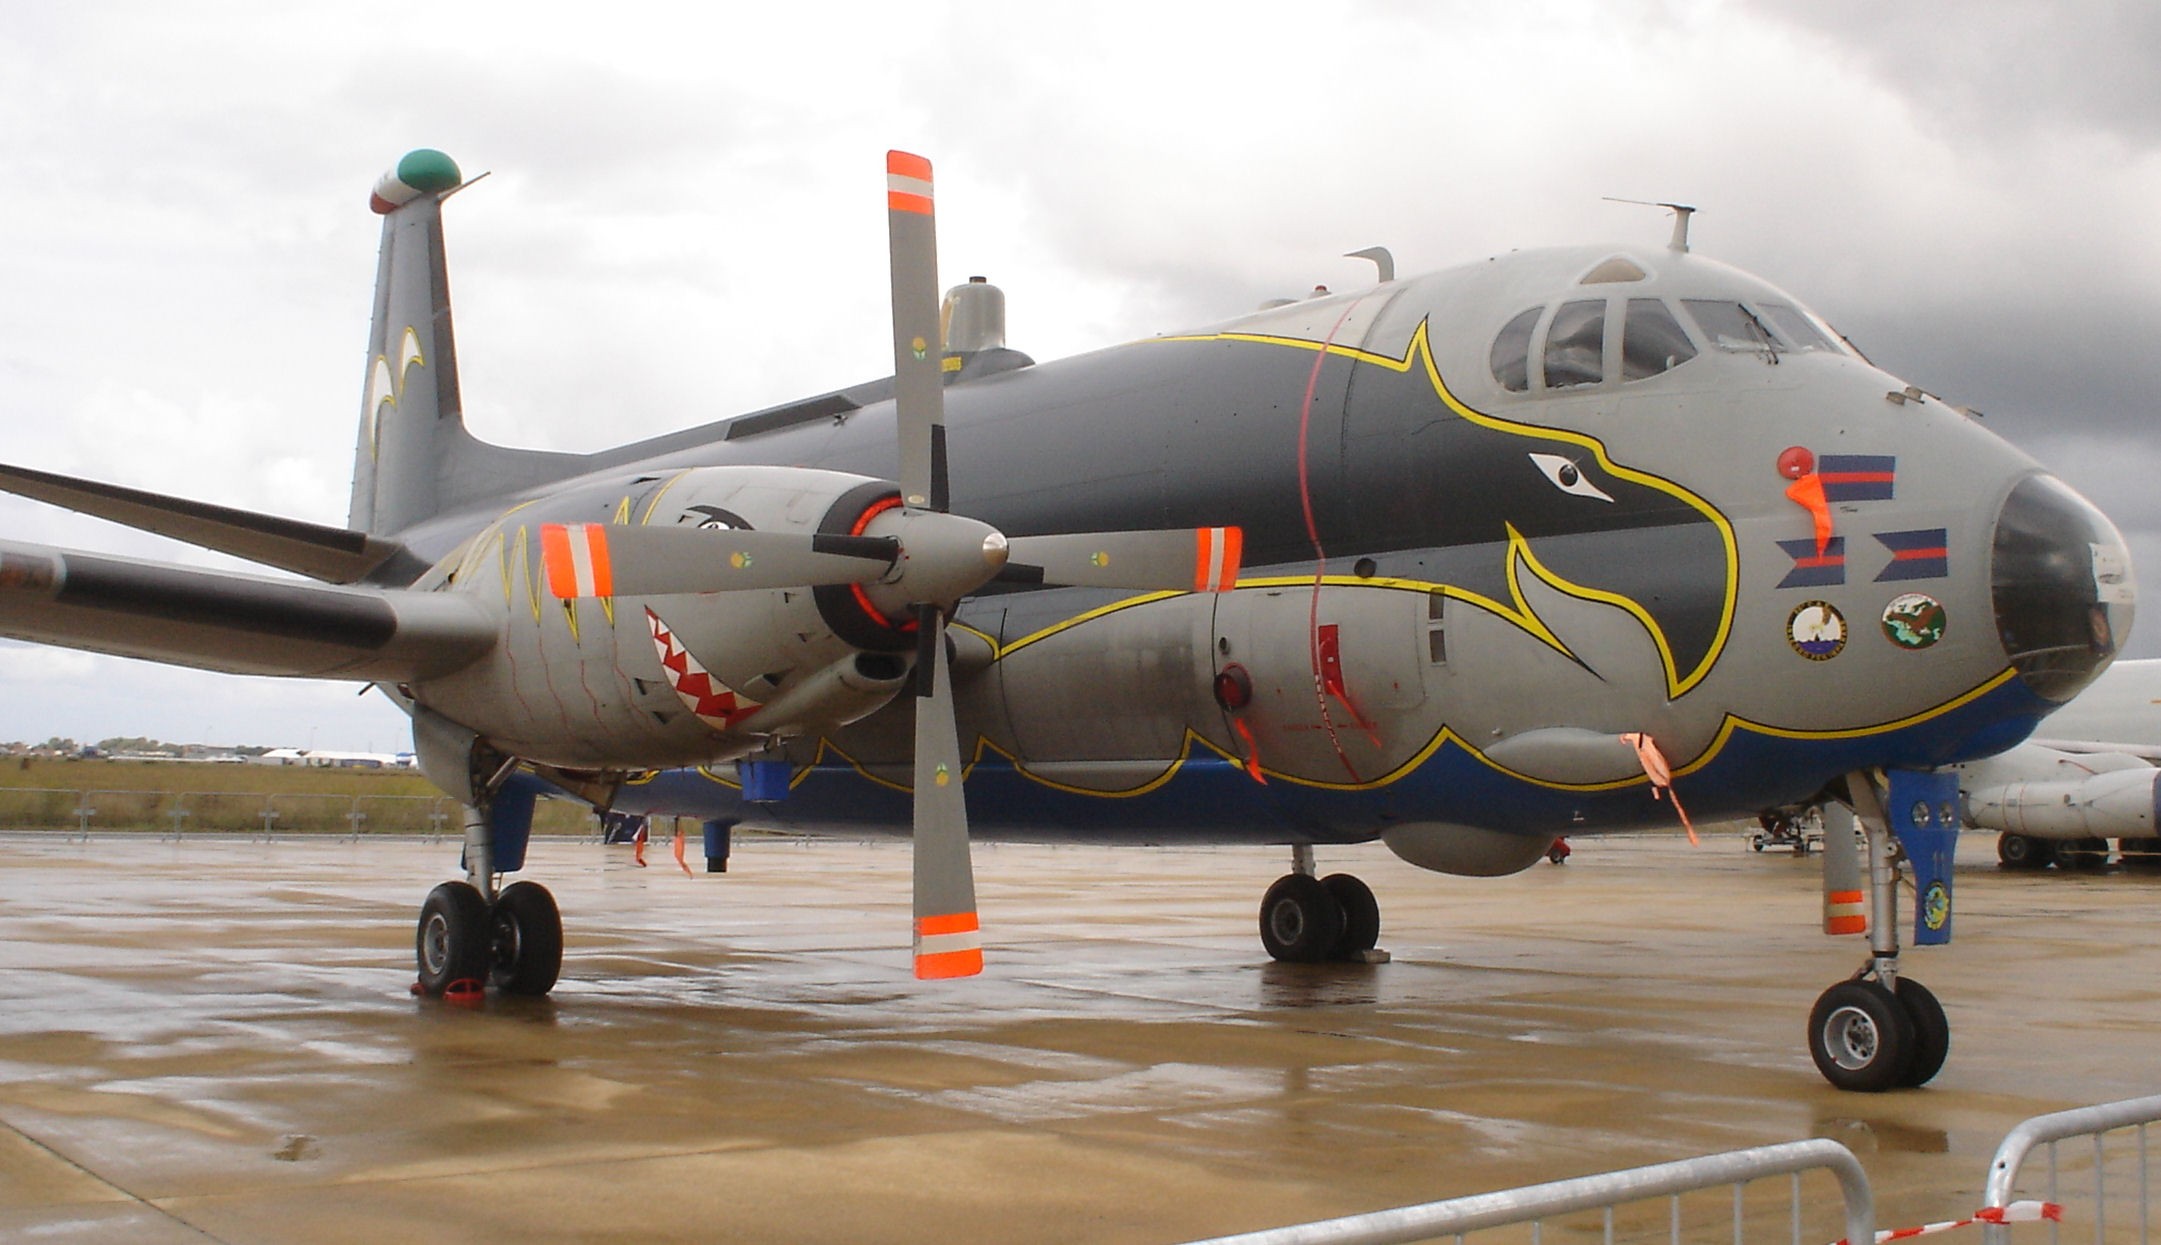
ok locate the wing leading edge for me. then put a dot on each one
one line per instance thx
(239, 624)
(334, 554)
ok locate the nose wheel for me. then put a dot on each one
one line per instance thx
(1867, 1039)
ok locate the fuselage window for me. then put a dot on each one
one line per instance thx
(1576, 345)
(1794, 328)
(1511, 357)
(1652, 340)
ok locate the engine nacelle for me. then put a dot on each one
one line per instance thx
(677, 679)
(2118, 804)
(2048, 793)
(1466, 851)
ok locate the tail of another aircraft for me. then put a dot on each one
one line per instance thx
(415, 459)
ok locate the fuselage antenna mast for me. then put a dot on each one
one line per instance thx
(1681, 213)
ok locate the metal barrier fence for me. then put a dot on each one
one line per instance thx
(1603, 1193)
(266, 815)
(2092, 1122)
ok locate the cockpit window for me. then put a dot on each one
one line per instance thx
(1511, 357)
(1652, 340)
(1795, 330)
(1729, 325)
(1576, 344)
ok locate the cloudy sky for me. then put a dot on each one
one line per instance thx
(684, 221)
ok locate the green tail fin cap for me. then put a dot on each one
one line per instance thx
(425, 171)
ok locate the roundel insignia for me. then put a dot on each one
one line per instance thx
(1913, 620)
(1936, 906)
(919, 347)
(739, 559)
(943, 776)
(1816, 630)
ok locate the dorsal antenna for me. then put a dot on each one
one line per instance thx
(1382, 260)
(1681, 213)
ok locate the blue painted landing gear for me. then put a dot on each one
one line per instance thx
(1879, 1029)
(1307, 920)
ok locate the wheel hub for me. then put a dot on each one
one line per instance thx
(1288, 921)
(1850, 1038)
(435, 943)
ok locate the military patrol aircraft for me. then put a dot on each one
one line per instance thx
(1460, 562)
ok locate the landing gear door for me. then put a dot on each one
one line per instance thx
(1333, 685)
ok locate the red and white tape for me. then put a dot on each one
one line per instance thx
(2016, 1212)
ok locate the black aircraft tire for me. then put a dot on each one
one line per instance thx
(1860, 1038)
(525, 940)
(1361, 913)
(2023, 851)
(2142, 854)
(1300, 921)
(1931, 1033)
(451, 943)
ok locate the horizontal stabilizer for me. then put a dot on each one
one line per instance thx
(332, 554)
(240, 624)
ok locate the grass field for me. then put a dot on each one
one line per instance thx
(43, 794)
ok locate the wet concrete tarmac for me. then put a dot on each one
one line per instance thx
(213, 1040)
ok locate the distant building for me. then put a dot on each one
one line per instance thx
(327, 758)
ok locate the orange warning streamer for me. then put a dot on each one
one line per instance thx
(1661, 775)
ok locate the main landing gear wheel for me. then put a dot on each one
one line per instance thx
(2023, 851)
(1301, 921)
(2142, 854)
(525, 940)
(1860, 1037)
(451, 944)
(1361, 913)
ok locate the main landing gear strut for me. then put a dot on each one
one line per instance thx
(472, 935)
(1308, 919)
(1880, 1030)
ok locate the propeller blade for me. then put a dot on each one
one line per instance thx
(947, 941)
(918, 343)
(607, 560)
(1203, 559)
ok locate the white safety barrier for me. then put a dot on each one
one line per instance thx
(2047, 1130)
(1603, 1192)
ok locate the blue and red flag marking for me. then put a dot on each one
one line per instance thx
(1921, 554)
(1812, 569)
(1857, 477)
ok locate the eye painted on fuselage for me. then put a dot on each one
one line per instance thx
(1568, 477)
(714, 517)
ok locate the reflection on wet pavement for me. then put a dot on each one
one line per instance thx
(213, 1040)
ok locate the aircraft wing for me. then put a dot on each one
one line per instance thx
(334, 554)
(241, 624)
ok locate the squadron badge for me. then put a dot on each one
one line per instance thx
(1816, 630)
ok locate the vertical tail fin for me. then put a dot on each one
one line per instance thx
(415, 458)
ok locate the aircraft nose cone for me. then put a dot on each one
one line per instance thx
(2060, 578)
